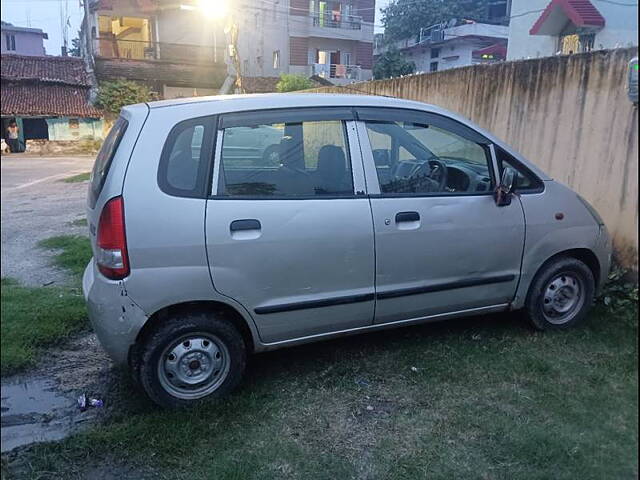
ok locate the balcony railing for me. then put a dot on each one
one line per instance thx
(337, 20)
(157, 51)
(349, 72)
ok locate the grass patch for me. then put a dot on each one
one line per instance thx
(33, 318)
(36, 317)
(74, 252)
(81, 177)
(484, 397)
(80, 222)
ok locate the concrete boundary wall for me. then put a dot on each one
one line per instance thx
(570, 115)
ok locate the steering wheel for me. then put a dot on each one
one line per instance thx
(437, 173)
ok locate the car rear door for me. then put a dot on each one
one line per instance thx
(290, 236)
(442, 244)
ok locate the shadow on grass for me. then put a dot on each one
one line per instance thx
(477, 397)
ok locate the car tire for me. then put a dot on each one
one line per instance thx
(190, 358)
(560, 295)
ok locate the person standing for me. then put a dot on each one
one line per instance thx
(13, 135)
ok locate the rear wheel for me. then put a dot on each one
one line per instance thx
(561, 294)
(191, 357)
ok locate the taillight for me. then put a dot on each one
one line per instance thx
(111, 255)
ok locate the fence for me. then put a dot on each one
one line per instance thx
(570, 115)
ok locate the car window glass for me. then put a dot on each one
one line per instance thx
(286, 160)
(105, 156)
(184, 157)
(423, 159)
(524, 180)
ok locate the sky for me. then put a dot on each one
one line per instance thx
(45, 14)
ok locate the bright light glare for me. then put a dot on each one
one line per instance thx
(214, 8)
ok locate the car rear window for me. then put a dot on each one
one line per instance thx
(186, 156)
(104, 158)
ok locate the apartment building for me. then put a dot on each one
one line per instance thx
(170, 46)
(332, 40)
(456, 42)
(179, 51)
(22, 40)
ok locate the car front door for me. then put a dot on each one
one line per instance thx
(442, 244)
(292, 240)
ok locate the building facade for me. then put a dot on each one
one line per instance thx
(452, 45)
(169, 46)
(541, 28)
(180, 51)
(22, 41)
(328, 39)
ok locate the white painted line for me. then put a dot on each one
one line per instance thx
(45, 179)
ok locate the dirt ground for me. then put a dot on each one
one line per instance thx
(36, 204)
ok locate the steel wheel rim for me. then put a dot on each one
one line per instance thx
(193, 366)
(563, 298)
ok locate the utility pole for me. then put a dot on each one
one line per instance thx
(64, 26)
(234, 74)
(87, 34)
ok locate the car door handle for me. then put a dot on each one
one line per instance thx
(407, 217)
(245, 224)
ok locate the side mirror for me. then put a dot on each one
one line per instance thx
(504, 191)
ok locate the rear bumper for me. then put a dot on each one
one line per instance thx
(115, 318)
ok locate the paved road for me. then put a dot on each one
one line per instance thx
(36, 205)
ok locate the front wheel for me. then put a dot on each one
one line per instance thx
(561, 294)
(191, 357)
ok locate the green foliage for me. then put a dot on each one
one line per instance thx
(404, 18)
(113, 95)
(74, 51)
(33, 318)
(392, 63)
(618, 293)
(292, 83)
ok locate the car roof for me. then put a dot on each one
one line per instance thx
(260, 101)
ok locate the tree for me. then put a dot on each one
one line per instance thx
(293, 82)
(114, 95)
(392, 63)
(74, 51)
(404, 18)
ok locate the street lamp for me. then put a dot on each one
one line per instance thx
(218, 10)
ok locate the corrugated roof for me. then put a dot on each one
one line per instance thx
(582, 13)
(52, 86)
(49, 69)
(30, 99)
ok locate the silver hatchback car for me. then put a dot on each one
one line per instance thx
(364, 213)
